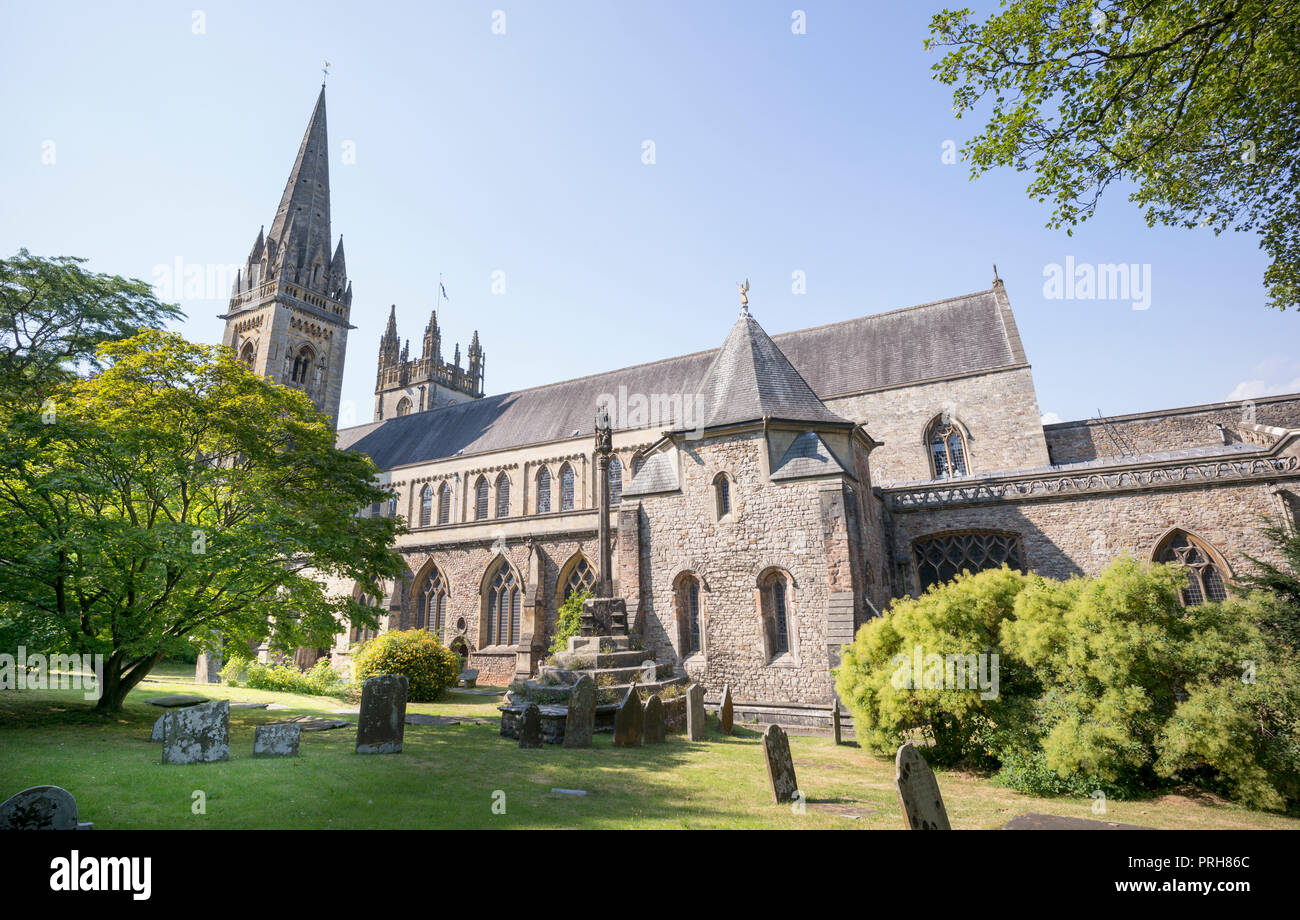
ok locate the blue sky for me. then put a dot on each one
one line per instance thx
(139, 134)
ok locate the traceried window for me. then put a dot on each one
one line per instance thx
(1204, 579)
(947, 449)
(691, 598)
(503, 496)
(615, 481)
(943, 557)
(444, 503)
(426, 505)
(544, 491)
(433, 596)
(774, 594)
(481, 499)
(566, 488)
(404, 406)
(504, 603)
(365, 633)
(582, 577)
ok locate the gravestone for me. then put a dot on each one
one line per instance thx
(652, 720)
(835, 722)
(580, 723)
(726, 714)
(649, 672)
(158, 728)
(918, 792)
(276, 739)
(627, 721)
(197, 734)
(780, 766)
(207, 668)
(530, 727)
(39, 808)
(382, 721)
(695, 715)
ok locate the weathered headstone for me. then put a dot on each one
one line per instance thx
(835, 722)
(158, 728)
(382, 721)
(726, 714)
(580, 723)
(197, 734)
(695, 714)
(207, 668)
(918, 792)
(652, 720)
(276, 739)
(627, 721)
(649, 672)
(780, 766)
(39, 808)
(530, 727)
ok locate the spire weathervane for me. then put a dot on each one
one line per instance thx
(744, 297)
(326, 71)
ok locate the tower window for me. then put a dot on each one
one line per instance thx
(947, 449)
(404, 406)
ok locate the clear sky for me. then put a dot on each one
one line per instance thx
(138, 134)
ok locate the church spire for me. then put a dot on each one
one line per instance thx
(301, 227)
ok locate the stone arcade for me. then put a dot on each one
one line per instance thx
(767, 497)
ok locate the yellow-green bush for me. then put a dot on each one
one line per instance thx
(428, 665)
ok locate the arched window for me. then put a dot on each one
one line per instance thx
(444, 503)
(1205, 580)
(432, 599)
(943, 557)
(365, 633)
(504, 602)
(481, 499)
(392, 505)
(302, 364)
(404, 406)
(615, 481)
(722, 495)
(947, 448)
(688, 614)
(774, 594)
(581, 577)
(248, 354)
(426, 505)
(566, 488)
(544, 491)
(503, 496)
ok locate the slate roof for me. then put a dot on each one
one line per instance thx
(960, 335)
(657, 474)
(807, 455)
(750, 379)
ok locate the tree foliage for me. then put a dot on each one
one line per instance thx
(1196, 103)
(174, 494)
(429, 666)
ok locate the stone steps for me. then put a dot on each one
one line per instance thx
(629, 658)
(602, 676)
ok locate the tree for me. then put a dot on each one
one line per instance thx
(175, 493)
(54, 314)
(1282, 580)
(1195, 102)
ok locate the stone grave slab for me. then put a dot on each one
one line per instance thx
(176, 700)
(197, 734)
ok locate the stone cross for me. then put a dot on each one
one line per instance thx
(628, 720)
(653, 729)
(918, 792)
(604, 447)
(780, 766)
(580, 723)
(695, 715)
(382, 721)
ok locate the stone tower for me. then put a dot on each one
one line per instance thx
(404, 385)
(289, 309)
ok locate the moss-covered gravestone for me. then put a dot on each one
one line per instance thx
(628, 719)
(780, 766)
(580, 723)
(382, 722)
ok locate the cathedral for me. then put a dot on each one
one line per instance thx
(768, 496)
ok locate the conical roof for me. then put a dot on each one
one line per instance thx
(302, 222)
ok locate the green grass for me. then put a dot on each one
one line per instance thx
(447, 775)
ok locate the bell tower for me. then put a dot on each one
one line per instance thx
(291, 301)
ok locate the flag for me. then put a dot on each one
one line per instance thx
(443, 288)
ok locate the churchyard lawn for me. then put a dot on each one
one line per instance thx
(447, 776)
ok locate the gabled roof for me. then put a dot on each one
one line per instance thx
(961, 335)
(657, 474)
(807, 455)
(750, 380)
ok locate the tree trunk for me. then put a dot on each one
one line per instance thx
(118, 681)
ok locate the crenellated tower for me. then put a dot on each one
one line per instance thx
(405, 384)
(290, 306)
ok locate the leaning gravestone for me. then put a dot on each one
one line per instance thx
(726, 714)
(652, 720)
(780, 766)
(276, 739)
(39, 808)
(627, 721)
(695, 715)
(580, 723)
(197, 734)
(530, 727)
(918, 792)
(382, 721)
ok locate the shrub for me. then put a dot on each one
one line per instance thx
(428, 665)
(568, 621)
(320, 680)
